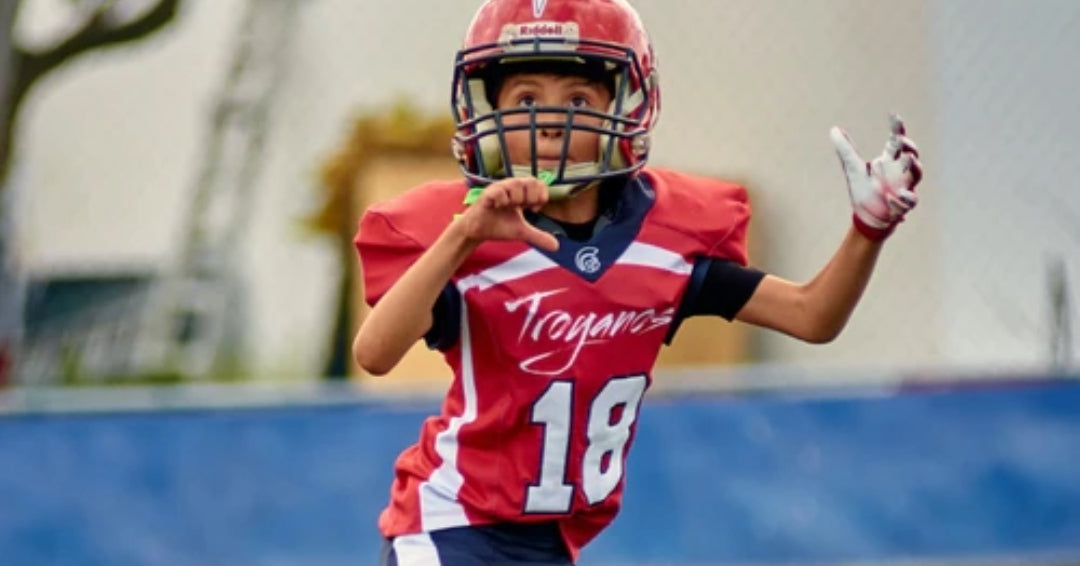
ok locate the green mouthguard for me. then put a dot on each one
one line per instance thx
(473, 195)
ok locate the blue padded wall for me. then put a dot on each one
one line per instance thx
(856, 476)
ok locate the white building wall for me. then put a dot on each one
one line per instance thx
(110, 150)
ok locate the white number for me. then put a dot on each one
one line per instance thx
(602, 465)
(607, 438)
(552, 409)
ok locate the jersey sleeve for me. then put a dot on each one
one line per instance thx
(717, 287)
(713, 213)
(391, 237)
(715, 216)
(393, 234)
(385, 253)
(730, 207)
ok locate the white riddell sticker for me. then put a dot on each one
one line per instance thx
(555, 30)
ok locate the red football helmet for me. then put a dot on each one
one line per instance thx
(606, 34)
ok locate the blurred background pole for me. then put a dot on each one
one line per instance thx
(1060, 316)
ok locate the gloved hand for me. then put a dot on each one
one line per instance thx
(882, 191)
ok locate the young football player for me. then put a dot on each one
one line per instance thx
(553, 273)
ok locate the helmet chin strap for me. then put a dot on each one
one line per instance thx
(562, 191)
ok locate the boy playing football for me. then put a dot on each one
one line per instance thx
(551, 276)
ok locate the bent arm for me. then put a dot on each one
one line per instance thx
(818, 310)
(403, 315)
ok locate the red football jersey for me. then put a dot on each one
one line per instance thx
(553, 355)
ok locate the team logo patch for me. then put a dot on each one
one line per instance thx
(538, 7)
(587, 260)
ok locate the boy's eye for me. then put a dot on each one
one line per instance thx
(579, 102)
(527, 100)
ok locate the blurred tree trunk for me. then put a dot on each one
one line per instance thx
(108, 22)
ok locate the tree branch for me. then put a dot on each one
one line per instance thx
(96, 33)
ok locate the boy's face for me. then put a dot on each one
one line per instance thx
(542, 89)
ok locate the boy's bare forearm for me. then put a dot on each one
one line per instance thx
(832, 295)
(818, 310)
(403, 315)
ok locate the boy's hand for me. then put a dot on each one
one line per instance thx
(883, 190)
(496, 214)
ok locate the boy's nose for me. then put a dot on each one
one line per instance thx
(551, 125)
(551, 132)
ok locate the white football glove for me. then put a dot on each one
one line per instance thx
(882, 191)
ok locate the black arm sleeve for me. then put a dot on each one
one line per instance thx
(445, 319)
(718, 287)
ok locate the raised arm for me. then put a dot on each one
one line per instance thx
(882, 192)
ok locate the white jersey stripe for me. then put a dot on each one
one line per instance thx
(415, 550)
(648, 255)
(521, 265)
(439, 506)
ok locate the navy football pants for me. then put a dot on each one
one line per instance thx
(489, 545)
